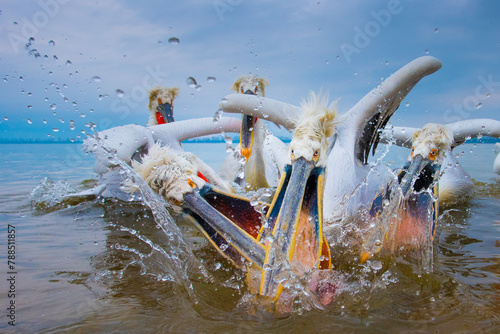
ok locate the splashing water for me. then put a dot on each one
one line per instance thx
(48, 193)
(177, 255)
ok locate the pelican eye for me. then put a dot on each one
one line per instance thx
(316, 155)
(241, 90)
(160, 101)
(412, 150)
(292, 153)
(256, 89)
(433, 154)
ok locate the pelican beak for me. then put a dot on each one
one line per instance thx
(246, 133)
(410, 174)
(295, 221)
(164, 113)
(228, 222)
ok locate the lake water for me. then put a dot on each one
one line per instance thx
(106, 266)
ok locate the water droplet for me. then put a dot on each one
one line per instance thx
(223, 100)
(426, 51)
(120, 93)
(191, 82)
(44, 121)
(198, 87)
(30, 106)
(74, 104)
(173, 40)
(479, 105)
(407, 104)
(53, 106)
(387, 62)
(29, 121)
(61, 120)
(5, 118)
(96, 78)
(55, 57)
(436, 30)
(217, 116)
(211, 79)
(55, 129)
(52, 43)
(376, 265)
(82, 115)
(34, 52)
(71, 125)
(68, 63)
(29, 94)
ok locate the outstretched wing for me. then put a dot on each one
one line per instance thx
(280, 113)
(174, 133)
(127, 140)
(462, 130)
(472, 128)
(374, 110)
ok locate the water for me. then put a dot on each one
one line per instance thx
(101, 266)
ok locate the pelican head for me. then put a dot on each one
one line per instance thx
(161, 105)
(253, 85)
(427, 154)
(170, 173)
(296, 212)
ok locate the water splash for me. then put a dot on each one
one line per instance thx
(177, 255)
(48, 193)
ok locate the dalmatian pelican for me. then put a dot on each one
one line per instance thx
(454, 183)
(292, 234)
(407, 220)
(161, 105)
(130, 142)
(357, 132)
(263, 153)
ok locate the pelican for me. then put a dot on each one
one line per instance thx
(291, 243)
(161, 105)
(496, 164)
(129, 142)
(407, 220)
(455, 183)
(264, 153)
(357, 132)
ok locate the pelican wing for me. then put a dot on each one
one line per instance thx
(472, 128)
(174, 133)
(280, 113)
(374, 110)
(401, 136)
(123, 140)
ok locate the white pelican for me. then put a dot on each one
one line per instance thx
(357, 131)
(161, 105)
(496, 164)
(129, 142)
(405, 220)
(455, 183)
(264, 153)
(293, 236)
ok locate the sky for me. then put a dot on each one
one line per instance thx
(67, 66)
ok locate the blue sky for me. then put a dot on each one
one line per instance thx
(87, 50)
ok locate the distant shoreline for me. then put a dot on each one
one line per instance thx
(484, 140)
